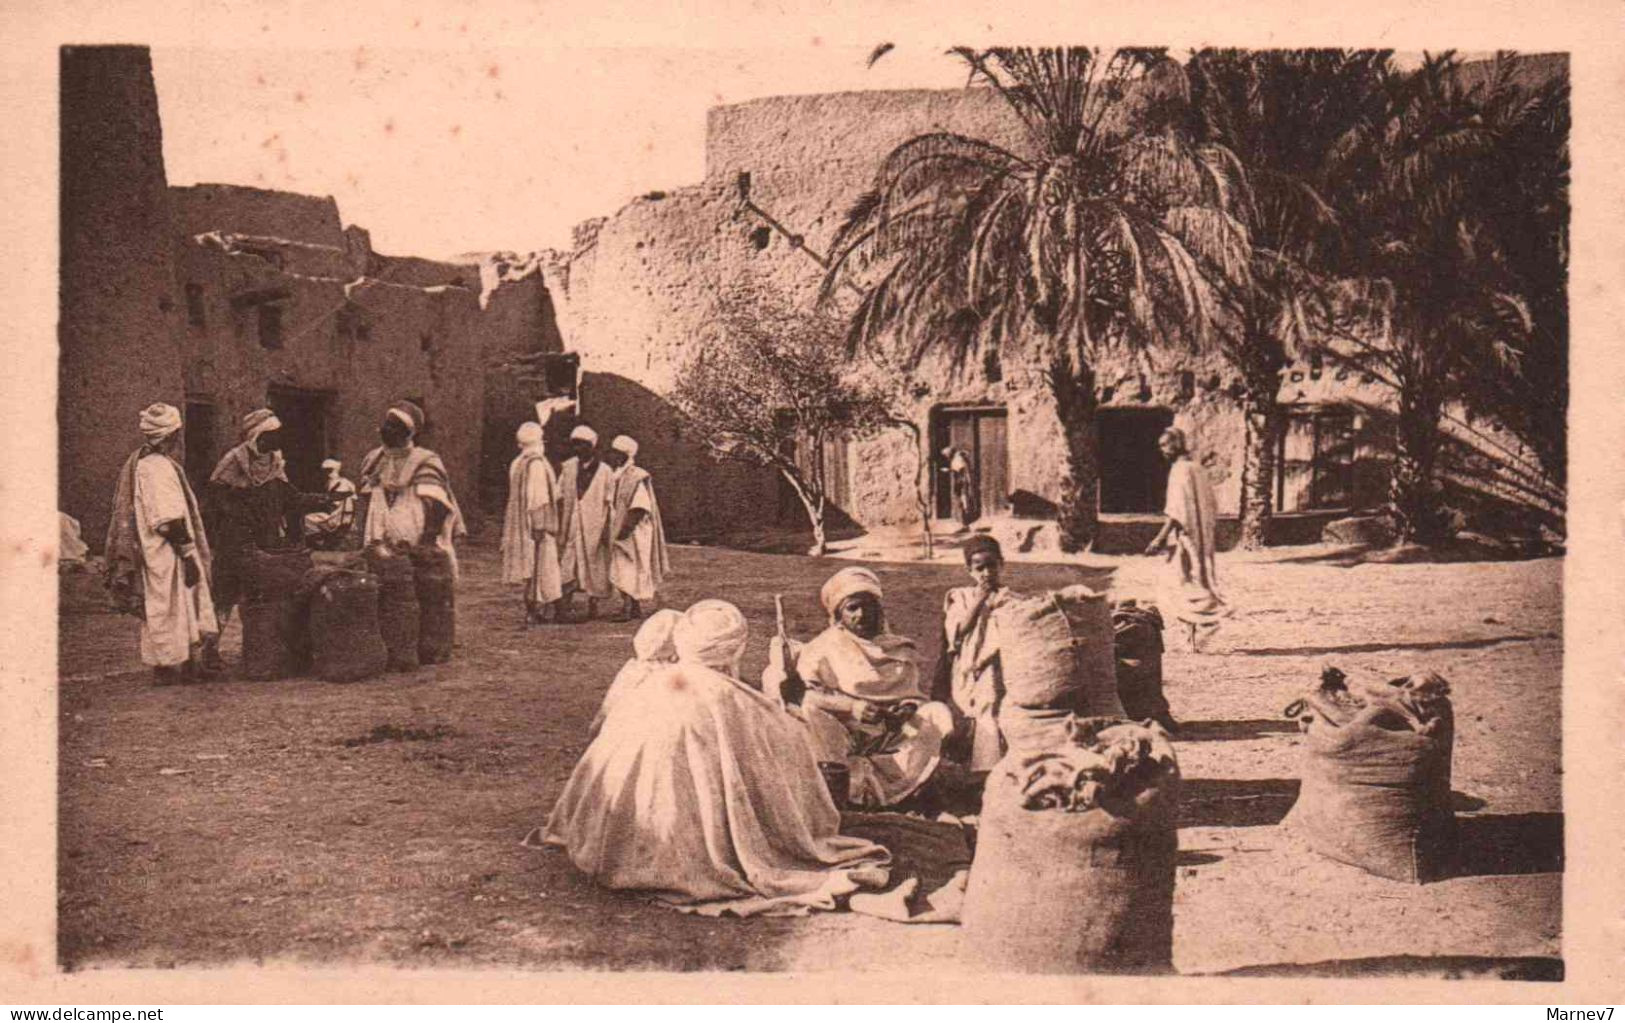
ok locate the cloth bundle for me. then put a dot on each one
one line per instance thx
(399, 619)
(1137, 640)
(1376, 775)
(1075, 856)
(437, 616)
(344, 633)
(275, 639)
(1058, 660)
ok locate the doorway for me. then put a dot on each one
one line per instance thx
(199, 442)
(983, 434)
(1133, 473)
(304, 433)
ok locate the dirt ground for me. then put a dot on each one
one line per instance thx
(381, 821)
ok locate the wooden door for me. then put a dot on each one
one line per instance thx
(993, 462)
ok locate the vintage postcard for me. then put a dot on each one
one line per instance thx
(1049, 506)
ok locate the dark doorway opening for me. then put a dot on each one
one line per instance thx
(1133, 473)
(304, 433)
(983, 434)
(199, 441)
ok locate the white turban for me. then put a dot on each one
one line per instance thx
(333, 464)
(530, 435)
(712, 633)
(653, 641)
(159, 421)
(845, 583)
(626, 445)
(259, 421)
(586, 433)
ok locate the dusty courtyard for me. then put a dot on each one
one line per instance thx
(381, 821)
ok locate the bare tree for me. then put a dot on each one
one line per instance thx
(770, 386)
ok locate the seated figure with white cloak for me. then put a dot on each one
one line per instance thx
(859, 691)
(703, 792)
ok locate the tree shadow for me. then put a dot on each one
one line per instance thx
(1236, 802)
(1505, 844)
(1227, 731)
(1372, 648)
(1529, 968)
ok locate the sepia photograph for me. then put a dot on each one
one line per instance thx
(1053, 509)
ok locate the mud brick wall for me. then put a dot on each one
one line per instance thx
(118, 330)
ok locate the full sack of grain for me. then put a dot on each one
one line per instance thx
(1075, 855)
(1058, 661)
(437, 628)
(398, 614)
(344, 636)
(1137, 638)
(275, 642)
(1376, 775)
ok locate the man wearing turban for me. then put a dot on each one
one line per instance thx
(1189, 589)
(158, 551)
(860, 693)
(530, 527)
(251, 505)
(586, 488)
(406, 490)
(703, 791)
(638, 559)
(332, 526)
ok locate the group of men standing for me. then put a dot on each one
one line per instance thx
(162, 567)
(593, 528)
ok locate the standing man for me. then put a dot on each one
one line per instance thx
(158, 551)
(638, 560)
(530, 528)
(251, 505)
(585, 489)
(407, 489)
(1190, 583)
(962, 484)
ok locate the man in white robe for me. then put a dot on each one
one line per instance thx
(859, 690)
(407, 490)
(638, 558)
(703, 792)
(530, 527)
(1189, 589)
(330, 526)
(158, 552)
(586, 486)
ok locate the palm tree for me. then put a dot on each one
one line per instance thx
(1282, 113)
(1097, 235)
(1434, 254)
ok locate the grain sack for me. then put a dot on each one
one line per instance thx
(437, 623)
(1137, 641)
(1376, 776)
(1075, 856)
(398, 614)
(273, 582)
(1058, 661)
(345, 640)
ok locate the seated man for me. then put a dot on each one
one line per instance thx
(858, 687)
(327, 529)
(703, 792)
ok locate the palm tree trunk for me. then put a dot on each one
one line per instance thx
(1264, 423)
(1075, 403)
(1412, 489)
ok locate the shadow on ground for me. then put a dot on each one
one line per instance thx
(1538, 968)
(1518, 843)
(1235, 803)
(1228, 731)
(1372, 648)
